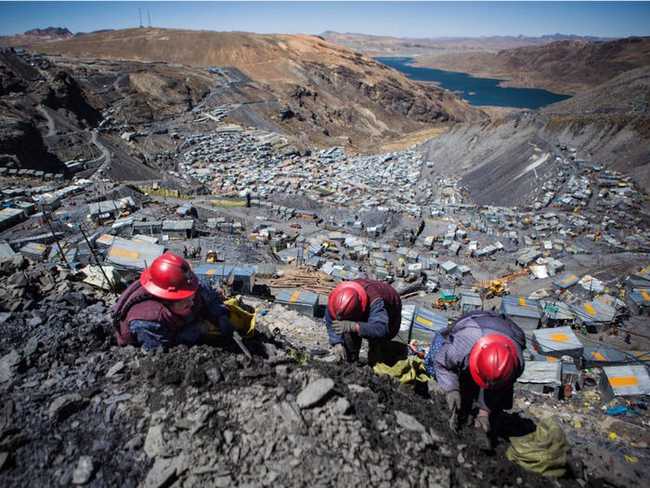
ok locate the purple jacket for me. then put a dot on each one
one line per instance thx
(453, 357)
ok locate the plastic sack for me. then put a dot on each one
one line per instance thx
(406, 371)
(543, 451)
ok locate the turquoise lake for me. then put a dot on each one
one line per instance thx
(477, 91)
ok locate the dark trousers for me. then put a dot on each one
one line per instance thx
(379, 350)
(472, 396)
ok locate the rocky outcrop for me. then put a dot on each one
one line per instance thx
(63, 92)
(21, 142)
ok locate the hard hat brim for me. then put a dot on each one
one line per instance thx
(147, 283)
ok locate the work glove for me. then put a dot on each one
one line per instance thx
(482, 421)
(486, 442)
(344, 327)
(339, 352)
(453, 404)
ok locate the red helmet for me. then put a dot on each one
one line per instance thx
(347, 301)
(169, 277)
(493, 361)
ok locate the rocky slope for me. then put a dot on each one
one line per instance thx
(77, 410)
(302, 84)
(47, 117)
(566, 66)
(608, 125)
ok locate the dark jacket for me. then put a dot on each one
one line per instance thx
(156, 325)
(383, 317)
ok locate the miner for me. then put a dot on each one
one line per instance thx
(362, 309)
(475, 364)
(168, 306)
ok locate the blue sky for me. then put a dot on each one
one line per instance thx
(405, 19)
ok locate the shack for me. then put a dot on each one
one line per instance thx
(522, 311)
(178, 229)
(301, 301)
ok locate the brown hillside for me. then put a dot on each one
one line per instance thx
(564, 66)
(330, 90)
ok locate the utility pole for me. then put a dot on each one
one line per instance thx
(149, 17)
(140, 15)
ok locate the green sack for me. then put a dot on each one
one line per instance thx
(543, 451)
(406, 371)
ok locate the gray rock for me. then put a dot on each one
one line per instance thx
(66, 405)
(4, 457)
(154, 444)
(84, 471)
(8, 365)
(291, 415)
(214, 375)
(315, 392)
(115, 369)
(408, 422)
(164, 471)
(342, 406)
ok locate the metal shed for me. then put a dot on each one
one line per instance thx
(566, 280)
(639, 301)
(6, 252)
(34, 250)
(523, 311)
(178, 229)
(556, 312)
(624, 381)
(542, 377)
(133, 254)
(424, 324)
(469, 301)
(239, 277)
(601, 355)
(302, 301)
(558, 342)
(10, 217)
(594, 314)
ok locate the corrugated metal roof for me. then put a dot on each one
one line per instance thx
(556, 340)
(470, 298)
(222, 270)
(594, 312)
(556, 310)
(34, 248)
(542, 372)
(10, 213)
(640, 296)
(133, 254)
(602, 355)
(177, 225)
(297, 297)
(520, 306)
(566, 280)
(627, 380)
(426, 323)
(6, 251)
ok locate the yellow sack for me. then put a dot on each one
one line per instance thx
(242, 320)
(406, 371)
(543, 451)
